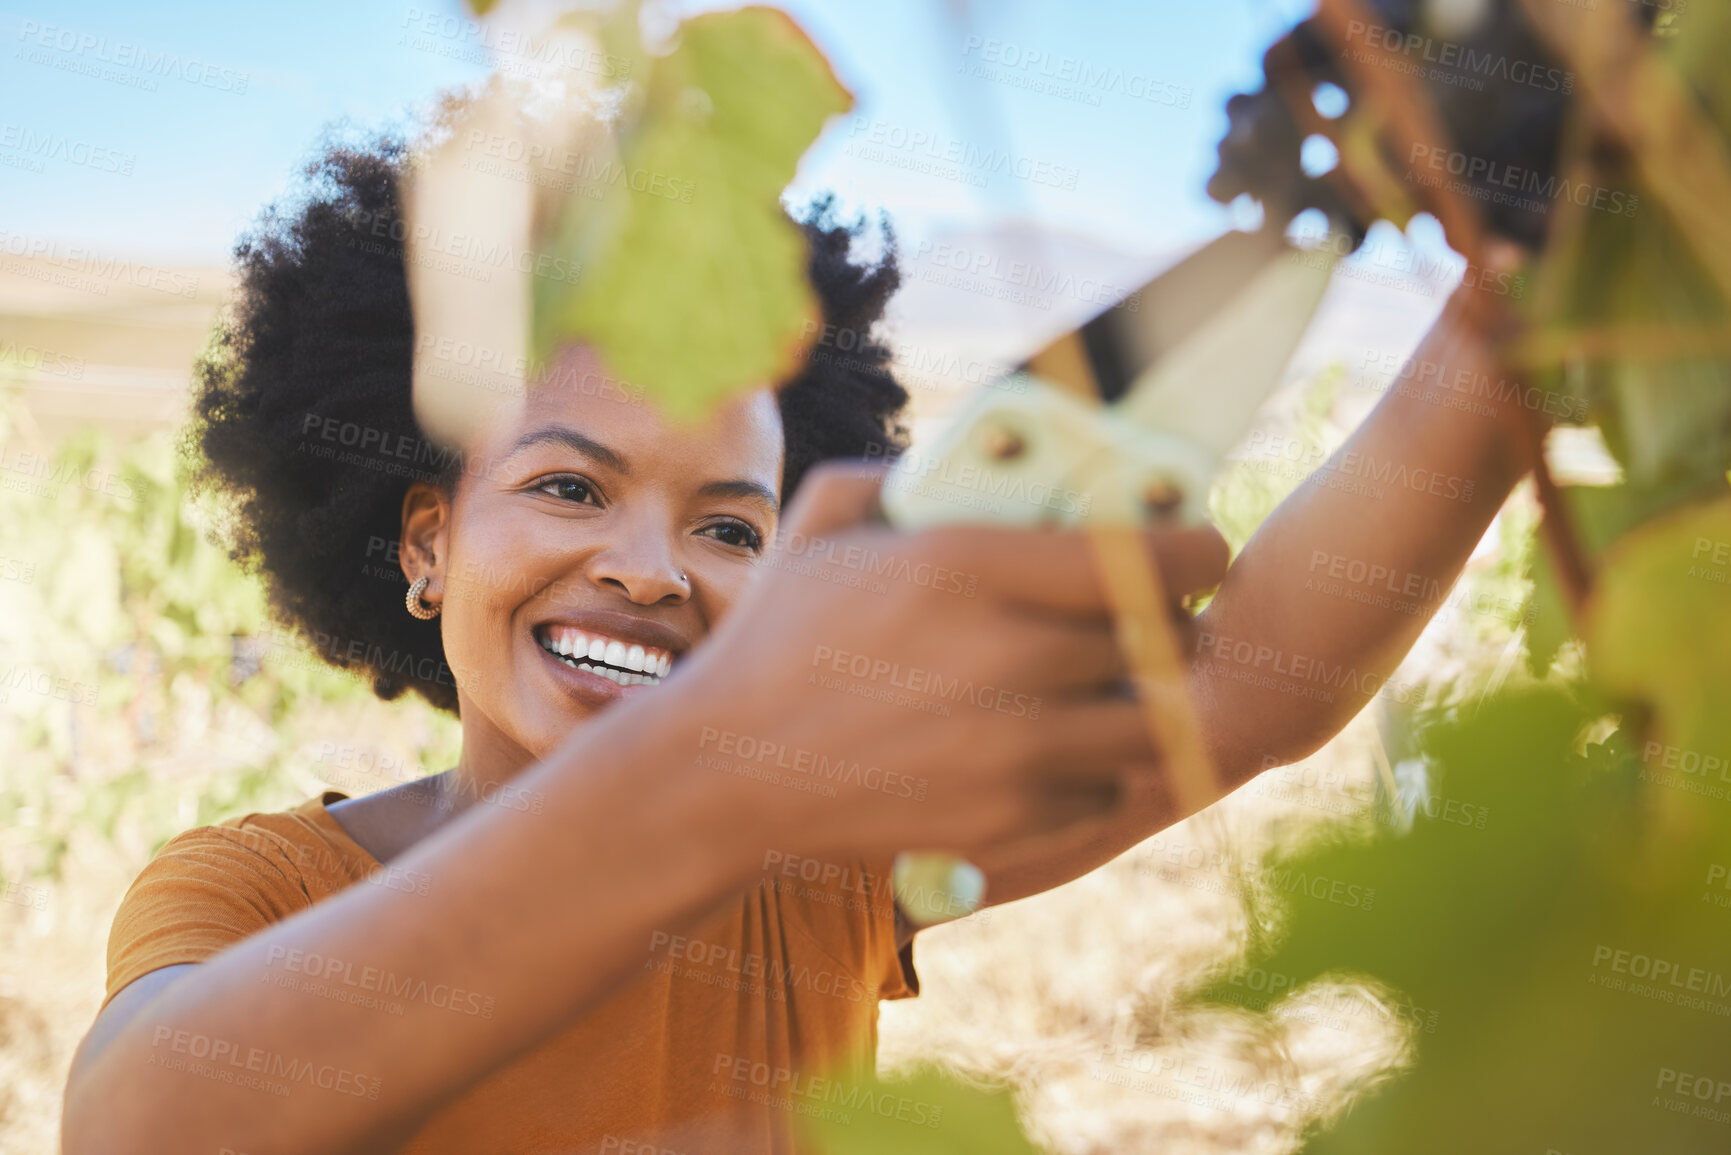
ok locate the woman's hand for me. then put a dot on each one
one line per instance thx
(950, 689)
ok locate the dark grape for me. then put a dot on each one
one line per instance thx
(1499, 93)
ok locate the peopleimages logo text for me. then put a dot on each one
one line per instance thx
(1528, 182)
(90, 48)
(1464, 61)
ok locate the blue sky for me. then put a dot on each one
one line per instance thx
(169, 163)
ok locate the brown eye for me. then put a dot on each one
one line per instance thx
(568, 489)
(735, 533)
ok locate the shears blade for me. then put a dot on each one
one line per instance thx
(1198, 350)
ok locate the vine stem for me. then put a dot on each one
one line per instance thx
(1557, 525)
(1506, 332)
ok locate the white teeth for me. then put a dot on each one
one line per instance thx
(647, 666)
(619, 676)
(568, 643)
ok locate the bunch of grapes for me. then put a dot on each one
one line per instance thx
(1498, 91)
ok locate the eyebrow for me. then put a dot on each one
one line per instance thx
(571, 439)
(612, 459)
(748, 490)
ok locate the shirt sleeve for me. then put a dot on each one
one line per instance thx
(848, 908)
(205, 890)
(897, 977)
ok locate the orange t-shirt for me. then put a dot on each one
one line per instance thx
(764, 1013)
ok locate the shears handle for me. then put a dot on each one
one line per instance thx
(1029, 453)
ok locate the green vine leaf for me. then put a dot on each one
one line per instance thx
(1601, 514)
(694, 286)
(1665, 411)
(1518, 926)
(1659, 627)
(928, 1114)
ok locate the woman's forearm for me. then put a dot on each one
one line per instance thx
(539, 915)
(1337, 584)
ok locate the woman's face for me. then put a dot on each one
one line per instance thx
(589, 532)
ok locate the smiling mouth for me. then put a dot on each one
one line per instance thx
(626, 663)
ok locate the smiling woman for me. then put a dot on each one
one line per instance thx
(304, 421)
(586, 935)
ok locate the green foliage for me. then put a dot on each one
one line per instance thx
(1600, 515)
(1660, 626)
(930, 1113)
(1527, 948)
(1666, 416)
(694, 287)
(123, 669)
(1564, 965)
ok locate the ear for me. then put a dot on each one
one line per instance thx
(426, 537)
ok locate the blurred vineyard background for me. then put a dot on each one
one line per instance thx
(144, 691)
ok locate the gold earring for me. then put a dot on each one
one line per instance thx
(413, 601)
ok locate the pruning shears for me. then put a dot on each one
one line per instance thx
(1122, 422)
